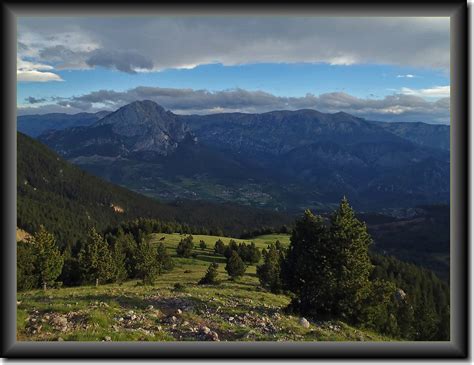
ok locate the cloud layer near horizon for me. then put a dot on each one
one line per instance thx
(407, 107)
(156, 43)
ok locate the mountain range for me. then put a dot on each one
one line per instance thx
(283, 160)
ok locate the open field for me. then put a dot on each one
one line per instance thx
(175, 308)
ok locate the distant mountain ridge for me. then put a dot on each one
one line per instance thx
(280, 159)
(34, 125)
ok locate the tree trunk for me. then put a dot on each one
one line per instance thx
(96, 282)
(44, 286)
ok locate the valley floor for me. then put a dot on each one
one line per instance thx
(175, 308)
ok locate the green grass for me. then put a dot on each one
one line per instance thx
(237, 310)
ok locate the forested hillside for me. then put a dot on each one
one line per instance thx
(66, 200)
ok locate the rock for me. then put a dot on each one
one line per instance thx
(178, 311)
(173, 319)
(185, 323)
(304, 322)
(212, 336)
(150, 307)
(108, 338)
(231, 319)
(400, 295)
(18, 302)
(204, 329)
(60, 339)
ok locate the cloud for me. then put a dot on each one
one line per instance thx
(397, 107)
(155, 43)
(33, 100)
(407, 76)
(34, 72)
(122, 61)
(434, 92)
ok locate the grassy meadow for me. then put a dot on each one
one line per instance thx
(175, 308)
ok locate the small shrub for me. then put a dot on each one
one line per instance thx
(210, 277)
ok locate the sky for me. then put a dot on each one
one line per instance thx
(390, 69)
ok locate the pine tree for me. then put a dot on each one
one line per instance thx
(119, 258)
(185, 247)
(219, 247)
(210, 278)
(147, 267)
(350, 243)
(235, 266)
(202, 245)
(163, 259)
(95, 259)
(26, 278)
(308, 269)
(48, 259)
(269, 273)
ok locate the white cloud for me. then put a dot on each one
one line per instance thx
(34, 72)
(407, 76)
(398, 107)
(434, 92)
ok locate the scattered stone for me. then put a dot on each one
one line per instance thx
(18, 302)
(231, 319)
(60, 339)
(185, 323)
(204, 329)
(150, 307)
(178, 312)
(173, 319)
(304, 322)
(108, 338)
(213, 336)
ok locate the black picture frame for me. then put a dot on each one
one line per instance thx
(457, 347)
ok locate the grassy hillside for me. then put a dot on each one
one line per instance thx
(235, 310)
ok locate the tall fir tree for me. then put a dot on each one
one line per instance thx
(352, 267)
(95, 259)
(269, 273)
(146, 262)
(48, 259)
(308, 269)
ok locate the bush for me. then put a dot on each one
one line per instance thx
(210, 277)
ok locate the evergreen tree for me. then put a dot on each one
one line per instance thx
(233, 246)
(210, 278)
(269, 273)
(202, 245)
(253, 254)
(185, 247)
(48, 259)
(95, 259)
(351, 265)
(308, 269)
(119, 258)
(147, 267)
(164, 261)
(235, 266)
(26, 277)
(219, 247)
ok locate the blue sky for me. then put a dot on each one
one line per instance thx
(389, 70)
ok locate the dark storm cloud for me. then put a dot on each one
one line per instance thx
(131, 44)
